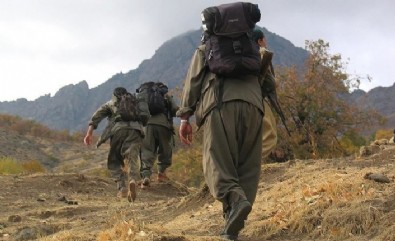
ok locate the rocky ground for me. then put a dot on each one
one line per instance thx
(333, 199)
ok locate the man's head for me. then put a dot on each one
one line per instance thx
(119, 91)
(259, 37)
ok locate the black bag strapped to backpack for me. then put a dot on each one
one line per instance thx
(230, 49)
(154, 93)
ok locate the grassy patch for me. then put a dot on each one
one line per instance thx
(10, 166)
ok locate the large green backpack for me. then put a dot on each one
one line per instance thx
(132, 107)
(154, 94)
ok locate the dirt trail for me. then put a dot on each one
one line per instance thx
(40, 205)
(296, 200)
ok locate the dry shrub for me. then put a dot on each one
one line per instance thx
(33, 166)
(187, 167)
(66, 235)
(9, 166)
(329, 204)
(99, 172)
(187, 161)
(388, 234)
(355, 219)
(333, 209)
(384, 134)
(75, 166)
(123, 231)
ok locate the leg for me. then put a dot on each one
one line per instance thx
(248, 134)
(220, 158)
(269, 138)
(231, 161)
(115, 162)
(165, 148)
(130, 151)
(148, 151)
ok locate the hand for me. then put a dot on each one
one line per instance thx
(185, 133)
(88, 140)
(89, 136)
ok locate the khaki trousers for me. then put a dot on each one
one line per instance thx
(269, 138)
(232, 152)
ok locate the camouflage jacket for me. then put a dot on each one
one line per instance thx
(109, 110)
(200, 93)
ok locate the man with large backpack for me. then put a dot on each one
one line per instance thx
(223, 91)
(158, 141)
(126, 115)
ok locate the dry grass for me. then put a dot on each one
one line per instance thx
(11, 166)
(66, 236)
(321, 200)
(121, 231)
(33, 166)
(297, 200)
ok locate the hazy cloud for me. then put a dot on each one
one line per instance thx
(46, 44)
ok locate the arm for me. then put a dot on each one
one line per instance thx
(88, 137)
(191, 94)
(192, 84)
(101, 113)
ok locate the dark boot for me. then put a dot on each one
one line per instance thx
(235, 222)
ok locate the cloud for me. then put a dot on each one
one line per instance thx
(47, 44)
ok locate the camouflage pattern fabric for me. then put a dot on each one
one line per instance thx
(123, 157)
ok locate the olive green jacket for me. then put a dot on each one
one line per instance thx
(109, 110)
(200, 92)
(162, 119)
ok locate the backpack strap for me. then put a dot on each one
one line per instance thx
(219, 91)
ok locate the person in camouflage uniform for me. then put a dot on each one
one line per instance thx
(158, 142)
(232, 138)
(125, 141)
(269, 139)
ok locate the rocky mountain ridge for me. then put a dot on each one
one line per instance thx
(72, 106)
(381, 99)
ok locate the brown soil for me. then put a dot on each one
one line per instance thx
(297, 200)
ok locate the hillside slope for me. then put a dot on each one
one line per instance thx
(297, 200)
(381, 99)
(73, 105)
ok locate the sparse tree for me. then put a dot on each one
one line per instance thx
(314, 101)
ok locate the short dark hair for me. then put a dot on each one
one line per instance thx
(119, 91)
(257, 34)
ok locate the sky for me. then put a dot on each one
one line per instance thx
(47, 44)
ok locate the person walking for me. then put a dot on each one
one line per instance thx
(158, 142)
(125, 141)
(269, 138)
(230, 109)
